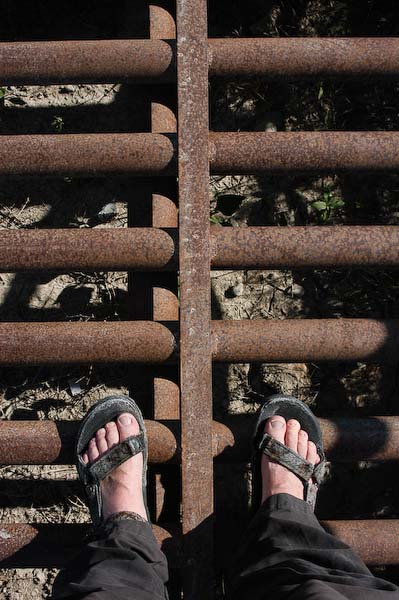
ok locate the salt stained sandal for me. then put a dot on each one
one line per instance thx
(91, 475)
(310, 475)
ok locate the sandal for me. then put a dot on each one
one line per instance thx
(91, 475)
(310, 475)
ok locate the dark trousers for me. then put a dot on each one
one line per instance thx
(285, 554)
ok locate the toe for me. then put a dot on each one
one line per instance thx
(275, 426)
(101, 441)
(111, 434)
(291, 435)
(92, 450)
(302, 444)
(312, 455)
(85, 458)
(127, 425)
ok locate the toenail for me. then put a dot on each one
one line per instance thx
(125, 419)
(277, 424)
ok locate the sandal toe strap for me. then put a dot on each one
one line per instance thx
(291, 460)
(115, 456)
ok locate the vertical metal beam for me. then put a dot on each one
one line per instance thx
(195, 296)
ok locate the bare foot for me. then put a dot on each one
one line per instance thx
(276, 479)
(121, 490)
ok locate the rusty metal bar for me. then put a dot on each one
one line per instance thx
(53, 442)
(376, 541)
(107, 342)
(156, 249)
(153, 154)
(298, 247)
(38, 545)
(337, 151)
(289, 340)
(306, 340)
(92, 61)
(91, 249)
(292, 58)
(25, 545)
(88, 154)
(142, 61)
(345, 439)
(195, 297)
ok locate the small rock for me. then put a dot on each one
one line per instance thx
(297, 290)
(107, 212)
(237, 290)
(67, 89)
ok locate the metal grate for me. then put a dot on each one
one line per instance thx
(180, 336)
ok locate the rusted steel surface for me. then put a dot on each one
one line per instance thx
(291, 58)
(49, 442)
(345, 439)
(96, 154)
(52, 442)
(91, 249)
(38, 545)
(305, 340)
(142, 61)
(153, 153)
(107, 342)
(376, 541)
(156, 249)
(195, 296)
(298, 247)
(336, 151)
(92, 61)
(24, 545)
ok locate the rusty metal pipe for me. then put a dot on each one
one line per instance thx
(90, 249)
(25, 545)
(306, 340)
(153, 154)
(53, 442)
(107, 342)
(299, 247)
(87, 61)
(88, 154)
(293, 58)
(345, 440)
(155, 249)
(38, 545)
(142, 61)
(337, 151)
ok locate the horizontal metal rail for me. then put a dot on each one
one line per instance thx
(154, 154)
(93, 155)
(109, 342)
(345, 440)
(294, 151)
(306, 340)
(24, 545)
(231, 247)
(143, 61)
(121, 249)
(288, 340)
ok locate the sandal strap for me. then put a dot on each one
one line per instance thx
(115, 456)
(291, 460)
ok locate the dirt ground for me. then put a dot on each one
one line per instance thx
(51, 494)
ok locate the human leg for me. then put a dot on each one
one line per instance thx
(123, 559)
(286, 553)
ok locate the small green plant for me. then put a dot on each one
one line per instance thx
(58, 124)
(327, 204)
